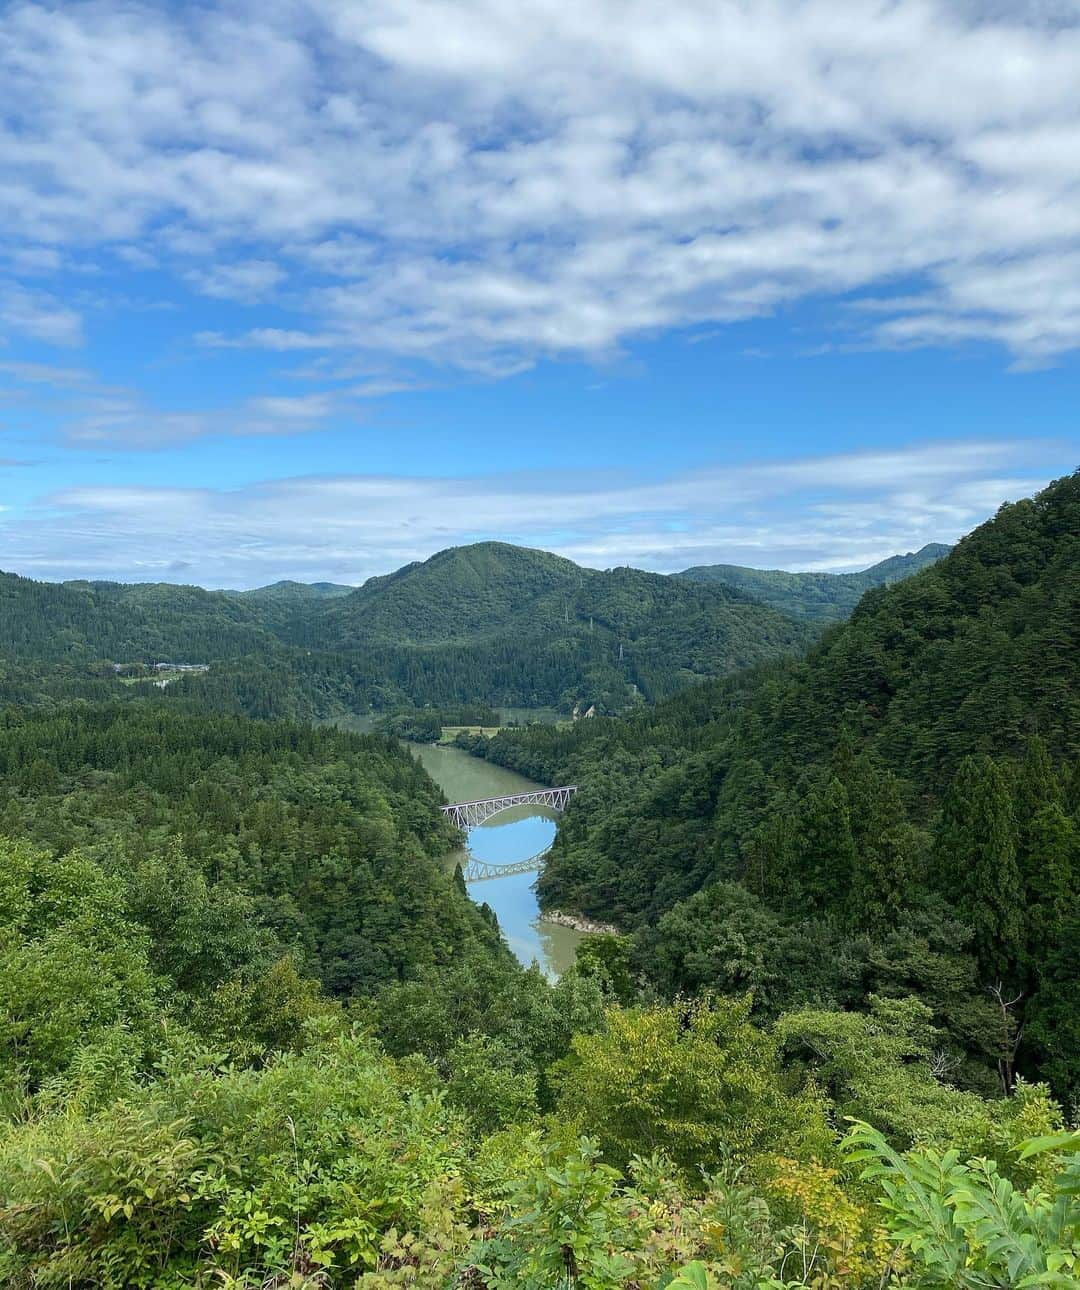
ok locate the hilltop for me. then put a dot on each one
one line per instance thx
(490, 622)
(817, 597)
(287, 590)
(507, 624)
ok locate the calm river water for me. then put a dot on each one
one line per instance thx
(512, 835)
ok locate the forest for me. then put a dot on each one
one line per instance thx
(896, 813)
(489, 623)
(254, 1034)
(818, 597)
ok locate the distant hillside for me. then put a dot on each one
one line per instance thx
(490, 623)
(463, 593)
(295, 591)
(510, 625)
(143, 622)
(817, 597)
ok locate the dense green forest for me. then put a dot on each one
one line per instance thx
(291, 592)
(819, 597)
(509, 626)
(251, 1035)
(895, 814)
(254, 1034)
(151, 622)
(490, 623)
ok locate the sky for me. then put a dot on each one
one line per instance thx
(312, 288)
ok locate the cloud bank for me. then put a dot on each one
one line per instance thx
(823, 513)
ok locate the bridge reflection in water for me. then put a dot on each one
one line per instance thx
(468, 815)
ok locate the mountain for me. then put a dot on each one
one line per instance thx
(140, 622)
(897, 813)
(817, 597)
(285, 590)
(506, 624)
(490, 623)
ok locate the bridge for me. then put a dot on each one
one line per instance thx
(467, 815)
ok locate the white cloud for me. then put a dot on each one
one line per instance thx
(482, 182)
(37, 315)
(824, 512)
(246, 281)
(94, 415)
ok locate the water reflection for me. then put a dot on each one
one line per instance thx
(511, 835)
(516, 834)
(527, 832)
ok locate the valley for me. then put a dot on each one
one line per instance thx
(514, 835)
(844, 868)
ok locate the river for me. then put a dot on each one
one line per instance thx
(512, 835)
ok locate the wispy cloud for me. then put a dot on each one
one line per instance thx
(483, 182)
(39, 316)
(91, 414)
(820, 512)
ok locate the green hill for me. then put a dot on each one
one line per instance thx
(505, 624)
(140, 622)
(819, 597)
(287, 591)
(490, 623)
(898, 811)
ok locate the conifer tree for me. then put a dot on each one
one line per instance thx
(830, 846)
(887, 844)
(976, 866)
(1051, 873)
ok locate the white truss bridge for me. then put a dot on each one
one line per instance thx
(468, 815)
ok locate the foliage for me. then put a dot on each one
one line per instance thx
(885, 1066)
(965, 1225)
(252, 1034)
(239, 840)
(489, 624)
(73, 963)
(819, 597)
(695, 1080)
(891, 815)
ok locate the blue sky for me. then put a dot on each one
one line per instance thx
(310, 289)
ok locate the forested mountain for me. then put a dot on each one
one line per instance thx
(123, 622)
(818, 597)
(253, 1034)
(286, 590)
(488, 623)
(509, 625)
(897, 813)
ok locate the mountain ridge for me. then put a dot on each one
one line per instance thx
(485, 622)
(817, 596)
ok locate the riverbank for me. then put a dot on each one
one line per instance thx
(579, 923)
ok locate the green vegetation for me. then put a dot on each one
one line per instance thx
(490, 624)
(510, 627)
(426, 725)
(253, 1034)
(817, 597)
(895, 815)
(329, 841)
(295, 591)
(80, 622)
